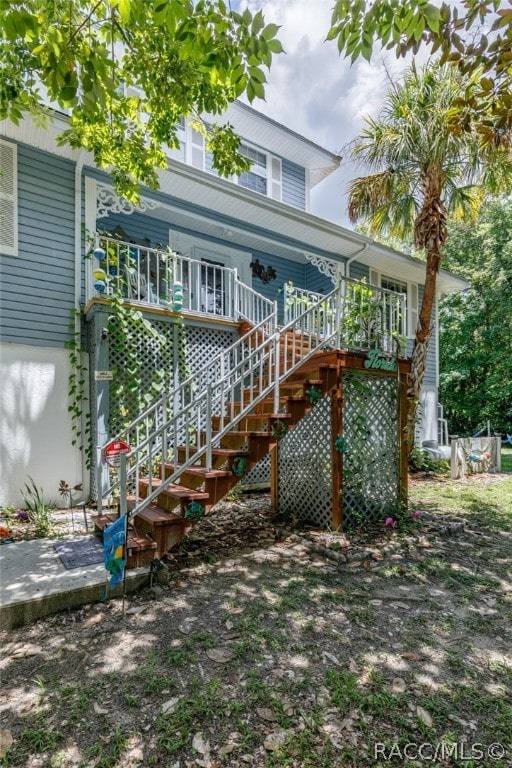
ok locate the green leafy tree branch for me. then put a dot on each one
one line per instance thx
(128, 71)
(475, 36)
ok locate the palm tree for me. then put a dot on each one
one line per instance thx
(422, 172)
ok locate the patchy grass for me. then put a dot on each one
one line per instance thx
(332, 664)
(506, 460)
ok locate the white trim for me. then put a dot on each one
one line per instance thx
(90, 228)
(10, 198)
(436, 334)
(307, 190)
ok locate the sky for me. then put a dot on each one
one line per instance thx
(318, 94)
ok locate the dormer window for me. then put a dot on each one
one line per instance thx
(264, 176)
(256, 178)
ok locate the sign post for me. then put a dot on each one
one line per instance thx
(115, 537)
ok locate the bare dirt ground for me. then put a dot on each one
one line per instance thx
(270, 645)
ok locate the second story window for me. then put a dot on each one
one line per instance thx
(256, 178)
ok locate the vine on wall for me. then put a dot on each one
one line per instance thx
(136, 347)
(78, 397)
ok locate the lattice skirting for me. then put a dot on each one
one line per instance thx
(178, 351)
(259, 476)
(371, 462)
(305, 467)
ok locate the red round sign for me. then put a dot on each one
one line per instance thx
(113, 451)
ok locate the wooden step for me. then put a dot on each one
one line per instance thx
(257, 422)
(216, 482)
(141, 549)
(172, 495)
(292, 386)
(196, 471)
(219, 455)
(165, 528)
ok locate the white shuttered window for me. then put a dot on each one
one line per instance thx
(8, 199)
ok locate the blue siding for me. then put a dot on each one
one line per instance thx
(138, 227)
(37, 286)
(359, 271)
(294, 185)
(316, 281)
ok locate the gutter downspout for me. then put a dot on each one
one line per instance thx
(353, 258)
(78, 281)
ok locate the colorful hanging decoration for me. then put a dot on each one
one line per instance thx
(114, 550)
(314, 394)
(99, 254)
(340, 444)
(279, 429)
(239, 466)
(194, 510)
(100, 280)
(177, 296)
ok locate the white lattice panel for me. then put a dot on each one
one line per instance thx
(371, 458)
(259, 475)
(305, 467)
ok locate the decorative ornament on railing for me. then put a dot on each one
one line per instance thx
(279, 429)
(340, 444)
(177, 296)
(108, 202)
(100, 276)
(239, 466)
(331, 269)
(314, 394)
(194, 510)
(265, 274)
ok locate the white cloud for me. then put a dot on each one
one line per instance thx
(318, 94)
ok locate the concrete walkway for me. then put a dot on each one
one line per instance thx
(34, 583)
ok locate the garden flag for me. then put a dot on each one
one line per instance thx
(114, 550)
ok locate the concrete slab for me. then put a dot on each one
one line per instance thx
(34, 583)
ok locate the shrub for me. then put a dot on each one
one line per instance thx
(39, 511)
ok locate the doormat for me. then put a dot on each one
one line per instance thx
(76, 554)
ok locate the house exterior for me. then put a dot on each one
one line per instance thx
(200, 249)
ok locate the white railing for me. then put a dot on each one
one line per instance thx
(368, 317)
(150, 276)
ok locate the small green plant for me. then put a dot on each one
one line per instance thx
(39, 510)
(422, 461)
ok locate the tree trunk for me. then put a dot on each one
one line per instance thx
(420, 349)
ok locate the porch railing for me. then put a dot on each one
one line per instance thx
(368, 317)
(151, 276)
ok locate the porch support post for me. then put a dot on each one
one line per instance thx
(101, 406)
(274, 477)
(337, 458)
(402, 422)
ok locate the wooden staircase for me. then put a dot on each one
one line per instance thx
(162, 525)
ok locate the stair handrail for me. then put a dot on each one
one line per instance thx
(179, 394)
(245, 296)
(317, 325)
